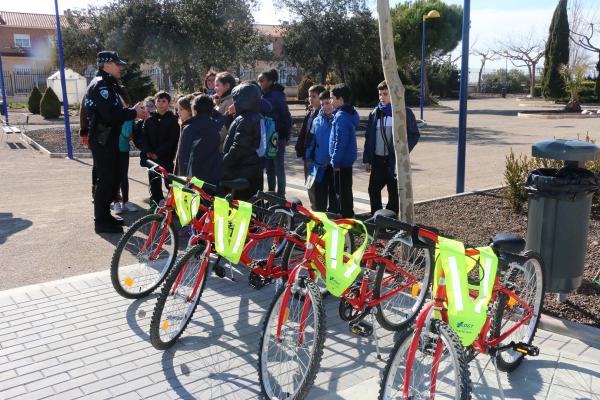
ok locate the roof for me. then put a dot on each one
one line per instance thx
(269, 30)
(28, 20)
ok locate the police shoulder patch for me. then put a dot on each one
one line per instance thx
(104, 93)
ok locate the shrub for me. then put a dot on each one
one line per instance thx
(138, 85)
(50, 105)
(363, 81)
(305, 83)
(515, 176)
(33, 102)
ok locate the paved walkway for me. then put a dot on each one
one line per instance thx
(76, 338)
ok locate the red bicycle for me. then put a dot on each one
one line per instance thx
(294, 329)
(429, 359)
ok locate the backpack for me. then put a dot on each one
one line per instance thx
(268, 138)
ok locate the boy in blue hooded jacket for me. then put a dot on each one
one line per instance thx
(342, 146)
(379, 154)
(317, 155)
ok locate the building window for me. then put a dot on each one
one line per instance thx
(22, 40)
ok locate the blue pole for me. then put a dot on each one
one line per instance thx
(464, 93)
(63, 85)
(423, 70)
(4, 103)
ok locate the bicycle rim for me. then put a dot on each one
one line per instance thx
(146, 256)
(526, 279)
(288, 367)
(449, 372)
(182, 293)
(405, 304)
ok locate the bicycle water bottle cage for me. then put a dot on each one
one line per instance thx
(231, 228)
(187, 201)
(465, 314)
(339, 274)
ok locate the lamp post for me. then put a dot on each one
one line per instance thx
(464, 93)
(430, 14)
(4, 103)
(63, 84)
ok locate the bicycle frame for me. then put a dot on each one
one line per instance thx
(482, 344)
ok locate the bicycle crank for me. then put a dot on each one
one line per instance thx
(524, 348)
(361, 328)
(257, 281)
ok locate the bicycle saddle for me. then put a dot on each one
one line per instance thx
(235, 184)
(508, 243)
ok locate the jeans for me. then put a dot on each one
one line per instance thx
(156, 193)
(311, 192)
(124, 175)
(276, 169)
(380, 178)
(324, 193)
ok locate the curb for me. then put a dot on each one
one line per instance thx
(36, 286)
(450, 196)
(575, 330)
(50, 154)
(557, 116)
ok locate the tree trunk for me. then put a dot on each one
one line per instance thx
(390, 72)
(532, 79)
(479, 77)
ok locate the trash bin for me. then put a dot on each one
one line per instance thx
(560, 202)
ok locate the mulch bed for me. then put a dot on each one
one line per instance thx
(476, 218)
(53, 139)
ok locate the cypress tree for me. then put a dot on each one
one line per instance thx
(556, 53)
(50, 104)
(33, 102)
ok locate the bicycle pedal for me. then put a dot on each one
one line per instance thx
(527, 349)
(362, 328)
(258, 282)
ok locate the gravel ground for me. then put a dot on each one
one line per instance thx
(475, 219)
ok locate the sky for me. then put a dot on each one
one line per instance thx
(491, 20)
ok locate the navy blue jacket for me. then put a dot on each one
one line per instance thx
(281, 112)
(412, 132)
(199, 154)
(342, 141)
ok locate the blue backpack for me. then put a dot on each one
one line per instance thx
(268, 138)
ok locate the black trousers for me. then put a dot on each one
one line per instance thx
(325, 197)
(343, 189)
(156, 193)
(380, 178)
(124, 175)
(106, 165)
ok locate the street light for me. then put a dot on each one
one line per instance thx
(430, 14)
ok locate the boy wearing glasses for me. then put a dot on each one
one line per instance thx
(305, 136)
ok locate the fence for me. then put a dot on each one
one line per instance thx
(21, 82)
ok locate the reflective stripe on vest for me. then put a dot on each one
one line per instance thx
(231, 228)
(465, 315)
(186, 204)
(339, 274)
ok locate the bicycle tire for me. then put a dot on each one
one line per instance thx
(157, 323)
(121, 285)
(395, 367)
(318, 334)
(509, 360)
(410, 311)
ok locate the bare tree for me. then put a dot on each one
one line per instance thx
(485, 56)
(523, 53)
(584, 23)
(390, 72)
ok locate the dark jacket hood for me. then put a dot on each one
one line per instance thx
(347, 108)
(277, 86)
(246, 97)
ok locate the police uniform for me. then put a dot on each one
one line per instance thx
(106, 114)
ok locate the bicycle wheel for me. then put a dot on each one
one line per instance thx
(143, 257)
(287, 368)
(525, 278)
(179, 297)
(439, 368)
(401, 308)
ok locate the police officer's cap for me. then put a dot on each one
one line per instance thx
(109, 56)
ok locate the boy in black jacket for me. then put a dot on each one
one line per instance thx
(160, 140)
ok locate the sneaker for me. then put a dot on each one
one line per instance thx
(117, 208)
(117, 221)
(128, 206)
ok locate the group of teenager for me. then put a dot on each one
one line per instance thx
(328, 146)
(219, 134)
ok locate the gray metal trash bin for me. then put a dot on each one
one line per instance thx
(560, 202)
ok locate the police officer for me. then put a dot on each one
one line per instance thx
(106, 113)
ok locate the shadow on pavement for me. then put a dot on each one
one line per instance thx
(9, 225)
(507, 113)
